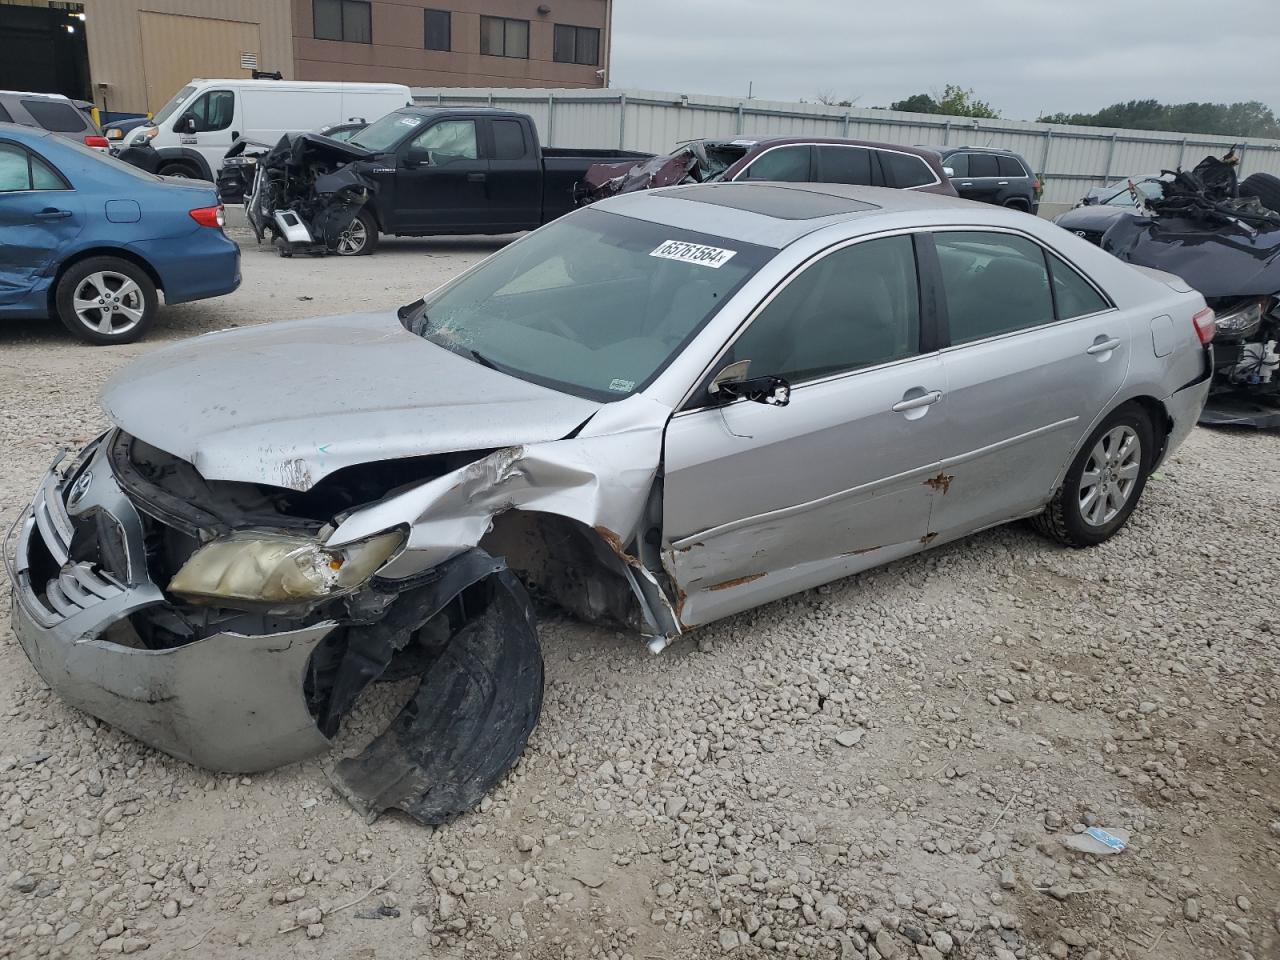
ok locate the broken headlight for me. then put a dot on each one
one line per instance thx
(278, 568)
(1242, 319)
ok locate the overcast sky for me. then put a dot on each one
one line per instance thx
(1025, 57)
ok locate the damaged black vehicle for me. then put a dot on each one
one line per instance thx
(1221, 235)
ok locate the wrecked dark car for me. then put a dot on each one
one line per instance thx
(780, 159)
(1222, 236)
(606, 416)
(418, 171)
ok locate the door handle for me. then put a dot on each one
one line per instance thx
(1002, 183)
(915, 403)
(52, 213)
(476, 178)
(1103, 345)
(967, 183)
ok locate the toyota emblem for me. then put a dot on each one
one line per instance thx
(80, 488)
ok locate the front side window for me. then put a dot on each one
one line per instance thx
(790, 164)
(1010, 167)
(594, 304)
(844, 165)
(905, 170)
(1072, 293)
(503, 37)
(439, 30)
(4, 115)
(959, 164)
(20, 171)
(983, 165)
(55, 115)
(447, 141)
(213, 111)
(994, 283)
(856, 307)
(349, 20)
(576, 45)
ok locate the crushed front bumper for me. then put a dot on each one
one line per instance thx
(228, 702)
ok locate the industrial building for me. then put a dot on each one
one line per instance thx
(132, 55)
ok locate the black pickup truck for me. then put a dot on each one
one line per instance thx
(420, 171)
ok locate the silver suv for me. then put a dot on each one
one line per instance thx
(60, 115)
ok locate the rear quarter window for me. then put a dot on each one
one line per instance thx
(905, 170)
(54, 116)
(1010, 167)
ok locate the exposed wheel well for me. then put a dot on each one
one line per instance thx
(117, 252)
(1161, 424)
(1017, 203)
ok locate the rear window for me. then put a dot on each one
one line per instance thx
(903, 170)
(508, 140)
(983, 165)
(1010, 167)
(55, 116)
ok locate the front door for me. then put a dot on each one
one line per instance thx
(760, 500)
(980, 179)
(207, 126)
(441, 181)
(39, 214)
(1028, 372)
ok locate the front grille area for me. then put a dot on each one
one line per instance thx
(64, 564)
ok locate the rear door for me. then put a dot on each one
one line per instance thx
(980, 182)
(763, 500)
(39, 214)
(1036, 353)
(836, 163)
(514, 181)
(441, 174)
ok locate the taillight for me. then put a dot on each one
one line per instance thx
(98, 142)
(209, 216)
(1206, 325)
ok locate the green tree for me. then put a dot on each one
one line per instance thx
(953, 101)
(1243, 119)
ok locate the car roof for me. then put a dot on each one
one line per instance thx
(772, 214)
(431, 111)
(838, 141)
(968, 149)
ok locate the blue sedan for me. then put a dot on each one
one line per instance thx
(90, 240)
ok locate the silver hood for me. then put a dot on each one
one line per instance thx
(286, 404)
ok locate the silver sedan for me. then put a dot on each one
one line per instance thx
(658, 411)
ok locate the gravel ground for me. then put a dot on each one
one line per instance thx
(885, 767)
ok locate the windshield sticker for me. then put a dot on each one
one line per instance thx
(622, 386)
(409, 121)
(694, 253)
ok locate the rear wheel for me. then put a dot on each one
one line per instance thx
(106, 300)
(1103, 484)
(181, 170)
(360, 238)
(1265, 187)
(1017, 204)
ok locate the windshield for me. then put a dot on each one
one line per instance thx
(1123, 197)
(385, 133)
(595, 304)
(169, 108)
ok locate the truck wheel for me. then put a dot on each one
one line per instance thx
(1103, 483)
(106, 300)
(360, 238)
(182, 171)
(1265, 187)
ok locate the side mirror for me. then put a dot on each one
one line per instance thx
(417, 157)
(732, 383)
(1090, 201)
(188, 125)
(948, 171)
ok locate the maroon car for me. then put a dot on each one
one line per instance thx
(794, 159)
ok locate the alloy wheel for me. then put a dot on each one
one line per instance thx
(352, 240)
(109, 303)
(1110, 475)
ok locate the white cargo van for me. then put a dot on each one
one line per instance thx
(193, 131)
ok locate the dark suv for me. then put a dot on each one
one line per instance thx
(1001, 177)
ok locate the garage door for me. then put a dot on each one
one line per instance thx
(175, 49)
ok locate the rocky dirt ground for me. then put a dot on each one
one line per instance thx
(885, 767)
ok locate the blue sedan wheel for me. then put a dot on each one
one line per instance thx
(106, 300)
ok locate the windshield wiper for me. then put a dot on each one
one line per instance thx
(479, 358)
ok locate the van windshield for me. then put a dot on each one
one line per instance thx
(383, 134)
(594, 304)
(179, 98)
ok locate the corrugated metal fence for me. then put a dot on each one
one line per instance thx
(1071, 159)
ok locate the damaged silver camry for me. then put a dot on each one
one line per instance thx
(654, 413)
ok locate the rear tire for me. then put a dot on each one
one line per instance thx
(105, 300)
(1265, 187)
(181, 170)
(1018, 205)
(1103, 483)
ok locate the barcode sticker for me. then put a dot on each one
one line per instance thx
(703, 256)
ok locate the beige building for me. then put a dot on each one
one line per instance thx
(142, 51)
